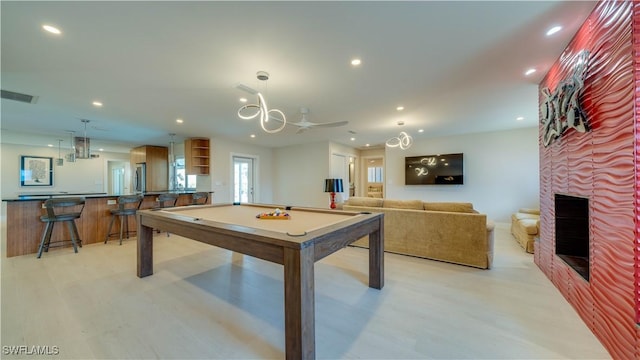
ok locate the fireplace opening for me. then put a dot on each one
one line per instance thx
(572, 232)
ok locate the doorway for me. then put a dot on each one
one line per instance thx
(375, 178)
(118, 177)
(243, 179)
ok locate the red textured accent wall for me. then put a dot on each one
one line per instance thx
(602, 165)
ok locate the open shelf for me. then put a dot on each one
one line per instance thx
(196, 156)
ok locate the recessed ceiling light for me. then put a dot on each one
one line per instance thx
(553, 30)
(421, 130)
(97, 104)
(356, 62)
(52, 29)
(520, 118)
(179, 121)
(253, 136)
(353, 139)
(243, 100)
(101, 149)
(400, 108)
(530, 71)
(367, 145)
(50, 145)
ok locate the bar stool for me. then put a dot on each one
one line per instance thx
(64, 210)
(198, 198)
(127, 206)
(166, 201)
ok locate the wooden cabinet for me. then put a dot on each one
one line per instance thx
(196, 156)
(156, 159)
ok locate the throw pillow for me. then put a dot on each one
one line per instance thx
(449, 206)
(364, 201)
(403, 204)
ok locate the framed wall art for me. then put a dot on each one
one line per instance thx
(36, 171)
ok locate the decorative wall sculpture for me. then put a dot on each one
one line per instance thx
(561, 109)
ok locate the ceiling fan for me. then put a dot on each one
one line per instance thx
(304, 124)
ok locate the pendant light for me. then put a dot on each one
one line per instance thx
(71, 157)
(172, 163)
(86, 154)
(59, 160)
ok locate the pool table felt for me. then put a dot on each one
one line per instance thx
(302, 220)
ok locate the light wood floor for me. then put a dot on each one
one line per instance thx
(204, 302)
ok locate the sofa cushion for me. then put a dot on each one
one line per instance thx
(521, 216)
(530, 226)
(403, 204)
(449, 206)
(364, 201)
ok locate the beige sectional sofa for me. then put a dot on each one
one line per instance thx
(525, 226)
(452, 232)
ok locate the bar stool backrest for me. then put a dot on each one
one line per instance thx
(129, 204)
(59, 209)
(200, 198)
(167, 200)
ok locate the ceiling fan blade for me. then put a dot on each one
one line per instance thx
(331, 124)
(301, 130)
(246, 88)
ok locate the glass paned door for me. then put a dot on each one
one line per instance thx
(243, 179)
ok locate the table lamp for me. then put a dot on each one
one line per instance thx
(333, 186)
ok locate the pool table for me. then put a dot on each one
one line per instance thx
(296, 243)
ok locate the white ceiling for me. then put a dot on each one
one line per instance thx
(456, 67)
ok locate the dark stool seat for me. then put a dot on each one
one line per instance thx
(198, 198)
(128, 205)
(64, 210)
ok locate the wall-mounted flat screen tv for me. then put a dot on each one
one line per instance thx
(441, 169)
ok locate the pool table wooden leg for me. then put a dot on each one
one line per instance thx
(299, 303)
(376, 258)
(145, 250)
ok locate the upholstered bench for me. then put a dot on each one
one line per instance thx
(525, 226)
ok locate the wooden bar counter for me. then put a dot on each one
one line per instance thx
(24, 228)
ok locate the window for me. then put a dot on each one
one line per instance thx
(184, 181)
(374, 174)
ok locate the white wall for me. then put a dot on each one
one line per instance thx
(83, 175)
(500, 171)
(299, 173)
(221, 170)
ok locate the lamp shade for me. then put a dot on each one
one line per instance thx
(333, 185)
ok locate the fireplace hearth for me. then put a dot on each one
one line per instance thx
(572, 232)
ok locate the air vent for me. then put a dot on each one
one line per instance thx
(10, 95)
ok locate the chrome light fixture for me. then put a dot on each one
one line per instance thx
(261, 108)
(71, 157)
(59, 160)
(404, 141)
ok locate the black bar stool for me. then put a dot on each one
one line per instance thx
(64, 210)
(198, 198)
(166, 201)
(128, 205)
